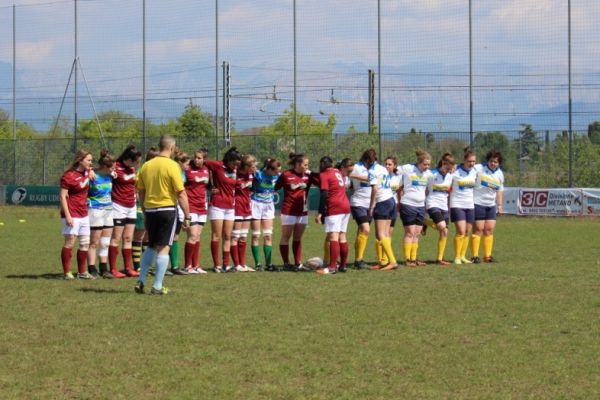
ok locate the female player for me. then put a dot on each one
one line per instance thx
(334, 209)
(197, 178)
(124, 211)
(183, 160)
(100, 213)
(381, 208)
(296, 183)
(222, 205)
(412, 204)
(359, 204)
(243, 212)
(391, 164)
(438, 189)
(487, 196)
(263, 211)
(74, 186)
(462, 208)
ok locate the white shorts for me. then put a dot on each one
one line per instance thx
(81, 227)
(101, 217)
(337, 223)
(262, 210)
(120, 212)
(294, 219)
(243, 218)
(197, 218)
(226, 214)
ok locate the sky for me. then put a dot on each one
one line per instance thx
(519, 54)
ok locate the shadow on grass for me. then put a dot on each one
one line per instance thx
(104, 291)
(33, 276)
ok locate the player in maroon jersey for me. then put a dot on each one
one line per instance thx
(334, 208)
(196, 182)
(124, 211)
(243, 212)
(222, 205)
(74, 186)
(295, 183)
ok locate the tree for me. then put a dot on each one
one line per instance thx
(594, 132)
(194, 123)
(307, 125)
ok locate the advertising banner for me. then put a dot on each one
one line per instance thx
(510, 200)
(591, 202)
(551, 202)
(32, 195)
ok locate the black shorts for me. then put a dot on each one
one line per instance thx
(361, 215)
(384, 209)
(160, 225)
(411, 215)
(438, 215)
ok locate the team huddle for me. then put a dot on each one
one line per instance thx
(116, 204)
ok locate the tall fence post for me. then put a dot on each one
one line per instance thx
(144, 76)
(14, 93)
(295, 83)
(570, 101)
(379, 124)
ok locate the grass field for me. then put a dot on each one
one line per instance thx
(528, 327)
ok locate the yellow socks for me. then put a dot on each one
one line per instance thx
(458, 242)
(488, 245)
(475, 242)
(413, 251)
(407, 249)
(386, 244)
(360, 245)
(441, 247)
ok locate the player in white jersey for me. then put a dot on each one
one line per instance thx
(462, 208)
(359, 204)
(438, 190)
(487, 196)
(412, 204)
(381, 207)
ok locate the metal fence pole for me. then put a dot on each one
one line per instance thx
(295, 84)
(570, 102)
(379, 125)
(14, 94)
(216, 79)
(144, 76)
(470, 74)
(75, 83)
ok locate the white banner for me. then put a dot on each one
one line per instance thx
(510, 200)
(565, 202)
(591, 201)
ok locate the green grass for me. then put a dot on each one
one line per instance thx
(527, 327)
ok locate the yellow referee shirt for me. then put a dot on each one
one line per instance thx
(161, 180)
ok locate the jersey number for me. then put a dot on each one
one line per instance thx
(340, 179)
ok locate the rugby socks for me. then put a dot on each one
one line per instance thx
(268, 250)
(360, 245)
(297, 250)
(82, 261)
(242, 252)
(162, 263)
(65, 258)
(104, 267)
(127, 258)
(475, 243)
(413, 251)
(196, 256)
(188, 254)
(344, 249)
(284, 249)
(334, 254)
(136, 254)
(226, 255)
(386, 245)
(488, 245)
(441, 247)
(465, 247)
(174, 254)
(214, 251)
(234, 253)
(146, 262)
(256, 254)
(407, 249)
(458, 242)
(113, 253)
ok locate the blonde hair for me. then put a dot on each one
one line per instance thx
(422, 155)
(247, 161)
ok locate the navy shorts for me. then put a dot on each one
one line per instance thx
(462, 214)
(360, 214)
(384, 209)
(394, 215)
(483, 213)
(412, 215)
(438, 215)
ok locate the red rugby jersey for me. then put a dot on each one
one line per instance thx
(196, 180)
(243, 190)
(77, 184)
(337, 202)
(295, 192)
(224, 181)
(123, 189)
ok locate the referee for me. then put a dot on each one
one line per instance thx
(160, 187)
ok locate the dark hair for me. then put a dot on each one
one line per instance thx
(181, 156)
(152, 152)
(345, 163)
(494, 154)
(232, 155)
(271, 163)
(296, 158)
(202, 150)
(325, 162)
(393, 158)
(130, 153)
(447, 158)
(369, 156)
(468, 153)
(105, 160)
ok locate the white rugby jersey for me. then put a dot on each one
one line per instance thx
(395, 183)
(463, 183)
(488, 183)
(361, 197)
(438, 189)
(380, 177)
(414, 182)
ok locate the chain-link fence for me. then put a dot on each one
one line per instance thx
(510, 74)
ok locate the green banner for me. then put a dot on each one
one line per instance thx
(32, 195)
